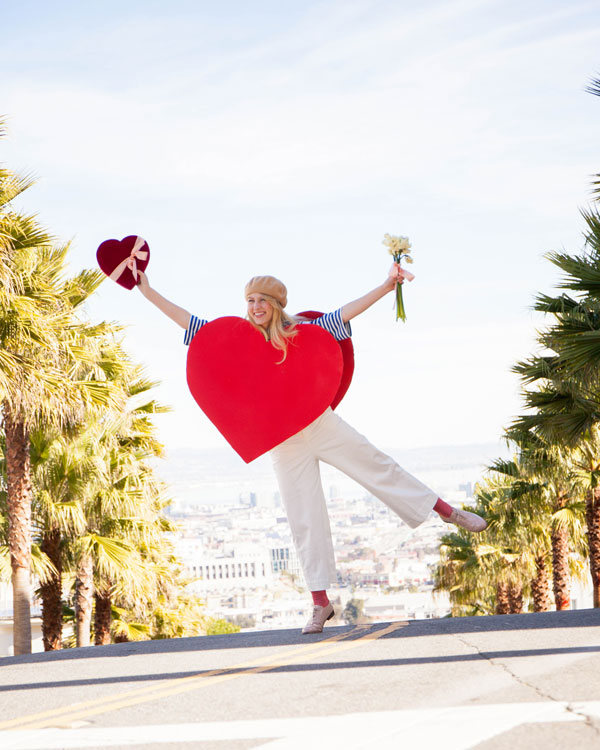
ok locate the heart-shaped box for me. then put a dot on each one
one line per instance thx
(119, 258)
(254, 400)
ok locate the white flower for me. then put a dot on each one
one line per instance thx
(396, 245)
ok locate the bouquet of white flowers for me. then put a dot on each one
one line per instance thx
(398, 248)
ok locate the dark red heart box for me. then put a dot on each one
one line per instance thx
(254, 402)
(112, 253)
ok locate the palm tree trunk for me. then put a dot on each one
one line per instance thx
(502, 601)
(18, 476)
(561, 581)
(540, 586)
(51, 593)
(102, 617)
(592, 515)
(84, 592)
(515, 598)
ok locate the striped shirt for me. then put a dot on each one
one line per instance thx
(331, 322)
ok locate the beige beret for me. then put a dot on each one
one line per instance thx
(267, 285)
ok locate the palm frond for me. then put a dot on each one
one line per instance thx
(12, 185)
(41, 565)
(78, 288)
(556, 305)
(593, 87)
(579, 346)
(592, 233)
(582, 273)
(114, 556)
(132, 631)
(538, 368)
(506, 468)
(569, 518)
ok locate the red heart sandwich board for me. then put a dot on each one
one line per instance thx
(117, 258)
(254, 402)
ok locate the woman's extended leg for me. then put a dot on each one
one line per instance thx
(340, 445)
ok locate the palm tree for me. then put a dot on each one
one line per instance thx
(546, 472)
(61, 472)
(124, 520)
(527, 496)
(565, 415)
(557, 440)
(464, 573)
(42, 566)
(39, 350)
(508, 536)
(507, 564)
(476, 572)
(566, 404)
(587, 468)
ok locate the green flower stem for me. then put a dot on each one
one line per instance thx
(400, 311)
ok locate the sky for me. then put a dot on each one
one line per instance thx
(286, 138)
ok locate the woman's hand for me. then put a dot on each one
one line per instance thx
(394, 276)
(142, 283)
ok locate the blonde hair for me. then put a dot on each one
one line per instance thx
(281, 329)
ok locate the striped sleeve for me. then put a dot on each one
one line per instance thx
(333, 323)
(194, 326)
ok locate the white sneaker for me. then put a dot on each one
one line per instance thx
(320, 615)
(466, 520)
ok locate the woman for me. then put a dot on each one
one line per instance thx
(328, 439)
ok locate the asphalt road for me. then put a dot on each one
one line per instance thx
(517, 681)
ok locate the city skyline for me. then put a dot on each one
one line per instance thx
(218, 476)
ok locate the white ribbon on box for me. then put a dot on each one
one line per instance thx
(130, 261)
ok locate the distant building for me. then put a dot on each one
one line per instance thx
(246, 566)
(284, 558)
(6, 621)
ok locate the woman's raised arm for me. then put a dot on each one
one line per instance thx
(352, 309)
(176, 313)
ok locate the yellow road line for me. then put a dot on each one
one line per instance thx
(72, 713)
(179, 684)
(176, 681)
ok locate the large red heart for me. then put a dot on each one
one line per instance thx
(254, 402)
(112, 255)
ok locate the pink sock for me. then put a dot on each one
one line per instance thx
(443, 508)
(320, 598)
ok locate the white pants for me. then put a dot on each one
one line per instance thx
(296, 464)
